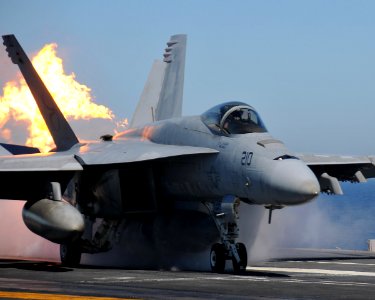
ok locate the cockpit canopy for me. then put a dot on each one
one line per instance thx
(233, 118)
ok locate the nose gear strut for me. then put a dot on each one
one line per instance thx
(224, 212)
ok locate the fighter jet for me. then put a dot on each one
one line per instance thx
(192, 172)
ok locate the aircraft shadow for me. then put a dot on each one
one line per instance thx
(55, 267)
(33, 266)
(262, 274)
(155, 269)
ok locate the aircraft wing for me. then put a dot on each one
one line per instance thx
(46, 162)
(330, 169)
(26, 177)
(134, 150)
(103, 153)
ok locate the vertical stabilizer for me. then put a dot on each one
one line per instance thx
(162, 94)
(170, 101)
(61, 132)
(145, 111)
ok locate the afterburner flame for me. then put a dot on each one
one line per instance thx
(74, 100)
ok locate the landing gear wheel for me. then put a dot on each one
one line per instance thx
(239, 267)
(217, 258)
(70, 254)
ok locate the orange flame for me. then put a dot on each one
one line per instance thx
(74, 100)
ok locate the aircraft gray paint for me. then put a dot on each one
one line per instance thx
(193, 171)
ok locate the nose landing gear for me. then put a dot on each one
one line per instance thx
(217, 258)
(225, 215)
(219, 255)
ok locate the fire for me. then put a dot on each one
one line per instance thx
(74, 100)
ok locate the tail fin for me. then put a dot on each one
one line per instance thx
(145, 111)
(162, 94)
(170, 101)
(61, 132)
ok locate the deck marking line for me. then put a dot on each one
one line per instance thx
(42, 296)
(312, 271)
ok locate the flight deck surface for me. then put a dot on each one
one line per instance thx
(301, 274)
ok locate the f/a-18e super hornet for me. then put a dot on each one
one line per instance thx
(192, 172)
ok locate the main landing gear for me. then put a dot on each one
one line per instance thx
(106, 233)
(225, 215)
(70, 254)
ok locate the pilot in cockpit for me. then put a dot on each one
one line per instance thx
(233, 122)
(233, 118)
(239, 122)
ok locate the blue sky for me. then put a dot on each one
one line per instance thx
(308, 67)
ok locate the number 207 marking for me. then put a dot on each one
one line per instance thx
(246, 158)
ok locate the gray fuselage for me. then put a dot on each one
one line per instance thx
(253, 166)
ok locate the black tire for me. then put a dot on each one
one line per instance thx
(217, 258)
(241, 266)
(70, 255)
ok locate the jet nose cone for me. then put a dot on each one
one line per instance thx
(293, 182)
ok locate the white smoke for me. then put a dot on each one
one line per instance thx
(16, 241)
(330, 222)
(290, 227)
(313, 225)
